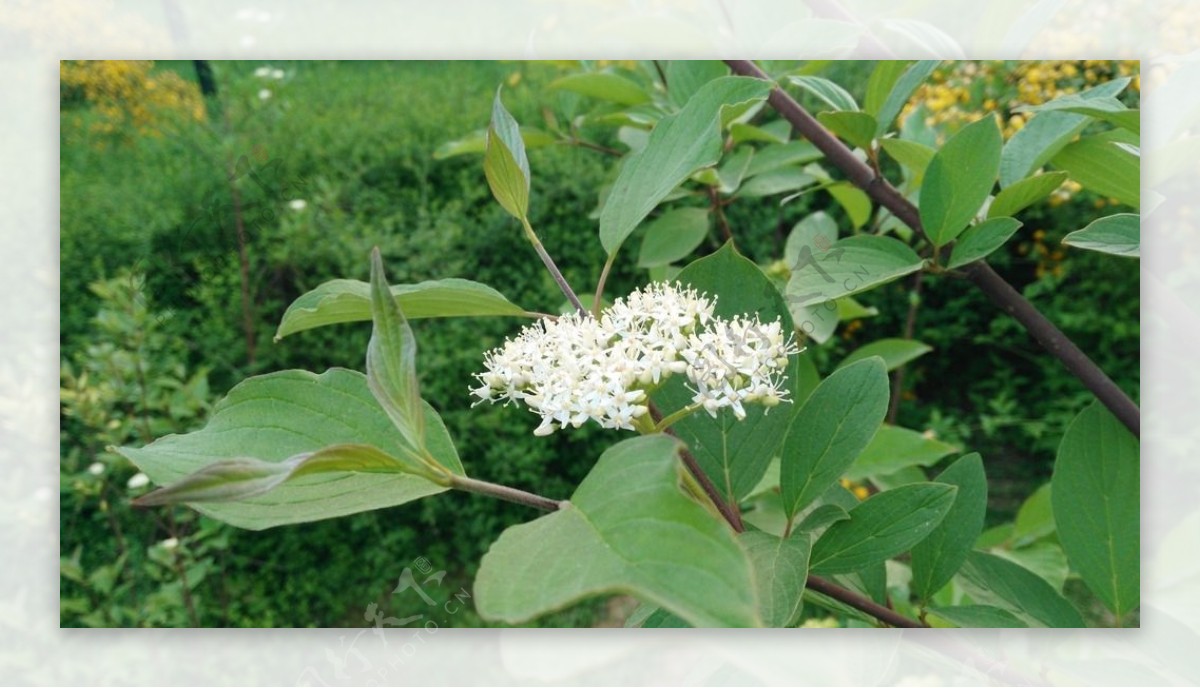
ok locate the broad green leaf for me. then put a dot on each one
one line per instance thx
(1103, 167)
(894, 352)
(997, 582)
(827, 92)
(776, 182)
(1096, 506)
(476, 143)
(278, 416)
(733, 170)
(679, 145)
(604, 86)
(979, 241)
(1044, 558)
(1120, 235)
(780, 571)
(1035, 518)
(816, 521)
(744, 133)
(832, 427)
(850, 309)
(814, 233)
(392, 361)
(733, 453)
(685, 77)
(850, 266)
(341, 301)
(895, 448)
(853, 200)
(239, 479)
(776, 156)
(1025, 193)
(673, 236)
(886, 524)
(612, 537)
(883, 78)
(938, 557)
(903, 89)
(978, 616)
(1106, 108)
(913, 156)
(855, 128)
(504, 162)
(958, 180)
(1045, 135)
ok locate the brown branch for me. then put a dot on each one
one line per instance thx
(728, 511)
(979, 273)
(910, 325)
(861, 603)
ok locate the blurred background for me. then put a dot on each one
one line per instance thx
(198, 200)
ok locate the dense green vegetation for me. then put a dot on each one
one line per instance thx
(334, 158)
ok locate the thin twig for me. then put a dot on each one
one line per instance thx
(728, 511)
(861, 603)
(722, 223)
(979, 273)
(910, 324)
(554, 272)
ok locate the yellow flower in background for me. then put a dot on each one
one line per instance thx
(130, 95)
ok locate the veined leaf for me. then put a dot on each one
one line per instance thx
(780, 571)
(1119, 235)
(850, 266)
(1025, 193)
(1102, 166)
(997, 582)
(958, 180)
(392, 361)
(893, 449)
(938, 557)
(978, 616)
(340, 301)
(979, 241)
(476, 143)
(828, 92)
(903, 89)
(605, 86)
(673, 236)
(610, 539)
(504, 162)
(679, 145)
(281, 415)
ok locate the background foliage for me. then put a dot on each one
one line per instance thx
(332, 158)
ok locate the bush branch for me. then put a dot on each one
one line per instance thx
(979, 273)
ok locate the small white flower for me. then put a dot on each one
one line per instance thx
(264, 94)
(262, 72)
(96, 468)
(298, 204)
(138, 481)
(169, 543)
(575, 368)
(276, 73)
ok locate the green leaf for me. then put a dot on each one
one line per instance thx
(850, 266)
(285, 414)
(476, 143)
(1044, 558)
(1035, 518)
(895, 448)
(341, 301)
(661, 618)
(855, 128)
(815, 232)
(1102, 166)
(610, 538)
(776, 156)
(685, 77)
(504, 162)
(780, 571)
(883, 79)
(1096, 506)
(853, 200)
(1106, 108)
(673, 236)
(733, 453)
(913, 156)
(776, 182)
(828, 92)
(904, 87)
(392, 361)
(826, 434)
(1045, 135)
(894, 352)
(978, 616)
(743, 133)
(979, 241)
(733, 170)
(604, 86)
(1119, 235)
(679, 145)
(1025, 193)
(239, 479)
(886, 524)
(959, 179)
(820, 518)
(995, 581)
(938, 557)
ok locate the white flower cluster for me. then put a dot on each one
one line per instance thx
(575, 367)
(268, 73)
